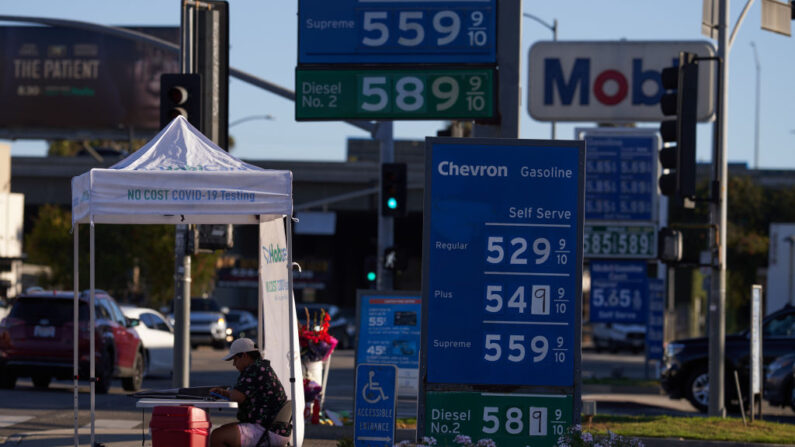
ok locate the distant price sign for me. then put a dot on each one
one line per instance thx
(621, 176)
(404, 94)
(507, 419)
(619, 292)
(655, 327)
(396, 31)
(620, 241)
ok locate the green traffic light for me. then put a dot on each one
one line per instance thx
(371, 276)
(391, 203)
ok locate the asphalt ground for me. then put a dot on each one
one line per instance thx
(119, 425)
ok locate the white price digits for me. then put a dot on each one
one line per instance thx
(475, 96)
(615, 298)
(516, 250)
(377, 321)
(540, 297)
(376, 350)
(514, 421)
(408, 93)
(411, 33)
(539, 346)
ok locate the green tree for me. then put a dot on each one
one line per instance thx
(119, 249)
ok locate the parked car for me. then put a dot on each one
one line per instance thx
(207, 323)
(4, 308)
(242, 323)
(157, 337)
(36, 340)
(685, 362)
(340, 327)
(779, 374)
(617, 336)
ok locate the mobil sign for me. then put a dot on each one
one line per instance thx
(610, 81)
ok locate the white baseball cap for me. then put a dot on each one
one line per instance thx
(239, 346)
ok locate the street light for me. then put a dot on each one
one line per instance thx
(251, 118)
(554, 29)
(756, 118)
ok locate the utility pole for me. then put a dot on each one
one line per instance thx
(182, 264)
(718, 217)
(756, 108)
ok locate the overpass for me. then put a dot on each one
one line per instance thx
(333, 264)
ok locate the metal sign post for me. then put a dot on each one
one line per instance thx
(755, 379)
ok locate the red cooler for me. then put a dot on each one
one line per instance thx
(179, 426)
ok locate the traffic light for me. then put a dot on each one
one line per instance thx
(370, 271)
(681, 101)
(669, 245)
(393, 189)
(180, 94)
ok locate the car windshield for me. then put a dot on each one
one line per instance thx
(234, 317)
(204, 305)
(56, 311)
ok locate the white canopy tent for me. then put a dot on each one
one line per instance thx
(181, 177)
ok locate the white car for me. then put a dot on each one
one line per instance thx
(618, 336)
(157, 337)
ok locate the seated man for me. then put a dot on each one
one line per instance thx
(259, 394)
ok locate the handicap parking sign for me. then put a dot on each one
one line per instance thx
(376, 399)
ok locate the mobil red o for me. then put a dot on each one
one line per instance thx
(609, 81)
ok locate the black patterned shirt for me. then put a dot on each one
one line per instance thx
(264, 396)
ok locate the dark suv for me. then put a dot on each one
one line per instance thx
(36, 341)
(685, 362)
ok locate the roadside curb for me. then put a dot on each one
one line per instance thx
(621, 389)
(336, 433)
(664, 442)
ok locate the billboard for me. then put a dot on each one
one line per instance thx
(615, 81)
(61, 82)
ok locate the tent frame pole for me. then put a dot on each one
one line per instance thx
(75, 324)
(92, 321)
(289, 240)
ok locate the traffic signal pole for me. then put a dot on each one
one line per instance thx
(182, 264)
(385, 279)
(718, 218)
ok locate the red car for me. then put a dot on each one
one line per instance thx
(36, 341)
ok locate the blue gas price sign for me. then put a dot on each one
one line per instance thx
(656, 325)
(619, 291)
(397, 31)
(502, 285)
(621, 172)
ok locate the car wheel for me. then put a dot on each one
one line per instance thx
(41, 381)
(134, 383)
(104, 373)
(7, 380)
(219, 345)
(697, 388)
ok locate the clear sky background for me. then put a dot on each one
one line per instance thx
(264, 38)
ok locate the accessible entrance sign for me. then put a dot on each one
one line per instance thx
(376, 396)
(502, 281)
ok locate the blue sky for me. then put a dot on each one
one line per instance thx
(263, 42)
